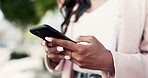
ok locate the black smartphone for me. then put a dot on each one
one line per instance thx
(45, 30)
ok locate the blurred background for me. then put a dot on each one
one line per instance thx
(21, 53)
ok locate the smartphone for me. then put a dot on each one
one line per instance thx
(45, 30)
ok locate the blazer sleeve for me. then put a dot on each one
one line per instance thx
(50, 68)
(133, 65)
(130, 65)
(144, 44)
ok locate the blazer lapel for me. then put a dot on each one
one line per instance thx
(132, 23)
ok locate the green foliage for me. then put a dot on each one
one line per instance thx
(20, 11)
(25, 12)
(18, 55)
(43, 5)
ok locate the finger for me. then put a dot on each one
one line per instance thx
(72, 55)
(64, 43)
(43, 43)
(49, 41)
(88, 39)
(68, 55)
(67, 52)
(56, 49)
(49, 44)
(55, 57)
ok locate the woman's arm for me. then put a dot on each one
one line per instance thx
(52, 66)
(53, 58)
(130, 65)
(95, 56)
(63, 66)
(133, 65)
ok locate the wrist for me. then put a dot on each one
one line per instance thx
(52, 64)
(108, 62)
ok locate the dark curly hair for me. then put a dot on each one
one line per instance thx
(67, 12)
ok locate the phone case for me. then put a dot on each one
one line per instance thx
(43, 31)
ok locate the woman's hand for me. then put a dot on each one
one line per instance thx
(92, 55)
(54, 53)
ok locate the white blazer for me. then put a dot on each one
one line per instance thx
(129, 62)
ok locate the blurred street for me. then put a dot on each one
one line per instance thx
(28, 67)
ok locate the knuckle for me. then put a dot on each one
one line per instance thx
(58, 57)
(49, 56)
(53, 56)
(81, 65)
(79, 59)
(52, 50)
(81, 49)
(65, 44)
(60, 42)
(91, 37)
(55, 41)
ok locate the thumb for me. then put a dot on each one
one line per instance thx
(88, 39)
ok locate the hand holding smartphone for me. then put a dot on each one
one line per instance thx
(45, 30)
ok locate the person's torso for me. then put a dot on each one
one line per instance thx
(103, 23)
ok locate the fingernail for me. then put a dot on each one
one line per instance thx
(67, 57)
(83, 43)
(48, 39)
(60, 49)
(43, 43)
(48, 56)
